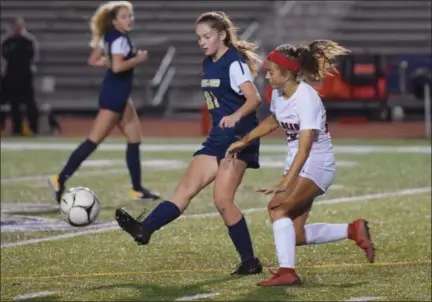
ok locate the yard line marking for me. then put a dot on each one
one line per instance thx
(273, 148)
(46, 177)
(363, 298)
(410, 191)
(149, 165)
(213, 270)
(34, 295)
(155, 164)
(405, 192)
(197, 296)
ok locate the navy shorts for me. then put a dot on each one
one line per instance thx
(114, 97)
(217, 146)
(113, 104)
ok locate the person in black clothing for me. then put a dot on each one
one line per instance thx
(20, 51)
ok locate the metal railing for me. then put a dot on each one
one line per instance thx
(158, 86)
(162, 78)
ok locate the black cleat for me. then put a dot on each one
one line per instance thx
(132, 226)
(249, 267)
(144, 194)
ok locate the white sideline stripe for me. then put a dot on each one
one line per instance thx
(156, 164)
(46, 177)
(34, 295)
(168, 167)
(410, 191)
(273, 148)
(363, 298)
(197, 296)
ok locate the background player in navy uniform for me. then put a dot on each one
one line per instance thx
(112, 48)
(232, 99)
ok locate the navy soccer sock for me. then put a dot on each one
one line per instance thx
(164, 213)
(76, 158)
(240, 236)
(133, 162)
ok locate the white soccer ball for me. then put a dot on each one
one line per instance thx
(79, 206)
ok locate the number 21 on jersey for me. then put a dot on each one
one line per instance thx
(211, 100)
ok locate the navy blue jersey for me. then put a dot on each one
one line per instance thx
(116, 87)
(220, 83)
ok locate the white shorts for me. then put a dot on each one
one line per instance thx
(320, 169)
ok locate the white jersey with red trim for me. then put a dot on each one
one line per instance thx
(303, 110)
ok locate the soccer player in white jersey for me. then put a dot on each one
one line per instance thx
(310, 166)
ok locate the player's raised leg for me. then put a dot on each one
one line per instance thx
(130, 126)
(319, 233)
(228, 178)
(102, 126)
(201, 172)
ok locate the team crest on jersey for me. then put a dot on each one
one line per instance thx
(210, 83)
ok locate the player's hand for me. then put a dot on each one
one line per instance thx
(234, 148)
(104, 62)
(272, 189)
(229, 121)
(142, 56)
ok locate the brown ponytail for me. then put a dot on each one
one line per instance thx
(316, 59)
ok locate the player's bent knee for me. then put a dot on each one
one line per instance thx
(224, 205)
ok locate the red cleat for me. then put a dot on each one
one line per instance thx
(358, 231)
(283, 276)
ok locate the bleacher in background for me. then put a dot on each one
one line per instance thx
(62, 28)
(387, 27)
(398, 29)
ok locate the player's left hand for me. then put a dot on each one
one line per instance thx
(229, 121)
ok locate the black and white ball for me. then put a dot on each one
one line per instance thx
(79, 206)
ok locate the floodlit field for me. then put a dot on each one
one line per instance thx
(386, 182)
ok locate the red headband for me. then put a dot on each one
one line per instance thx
(284, 61)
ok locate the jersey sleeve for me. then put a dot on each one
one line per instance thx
(310, 112)
(120, 46)
(239, 73)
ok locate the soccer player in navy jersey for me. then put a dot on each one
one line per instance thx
(112, 48)
(231, 97)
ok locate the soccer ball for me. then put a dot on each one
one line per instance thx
(79, 206)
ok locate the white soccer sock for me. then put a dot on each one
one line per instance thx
(317, 233)
(285, 242)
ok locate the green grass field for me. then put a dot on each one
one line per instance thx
(389, 186)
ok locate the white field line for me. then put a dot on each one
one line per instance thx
(405, 192)
(273, 148)
(197, 297)
(46, 177)
(156, 164)
(176, 165)
(363, 298)
(34, 295)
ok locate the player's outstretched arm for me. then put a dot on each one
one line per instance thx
(267, 126)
